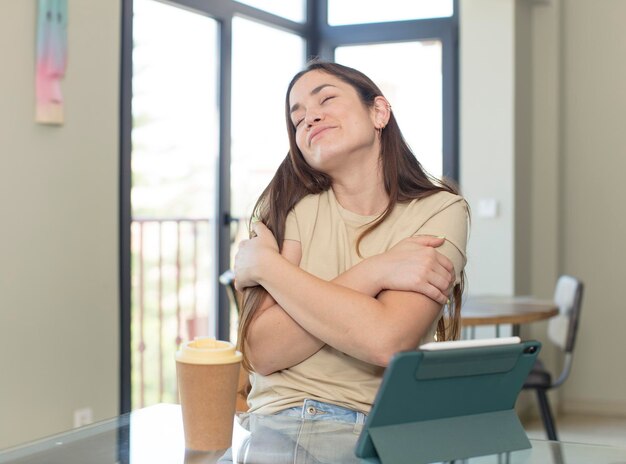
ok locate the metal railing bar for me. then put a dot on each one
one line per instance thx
(173, 219)
(195, 270)
(142, 345)
(152, 271)
(160, 309)
(178, 312)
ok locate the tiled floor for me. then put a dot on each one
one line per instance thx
(583, 429)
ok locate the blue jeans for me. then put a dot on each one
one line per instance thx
(313, 433)
(317, 410)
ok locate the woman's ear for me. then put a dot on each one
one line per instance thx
(382, 112)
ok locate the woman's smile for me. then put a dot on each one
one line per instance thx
(317, 132)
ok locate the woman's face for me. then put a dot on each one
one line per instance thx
(333, 127)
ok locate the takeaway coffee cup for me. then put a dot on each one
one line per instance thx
(208, 373)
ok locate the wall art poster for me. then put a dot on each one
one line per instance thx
(51, 60)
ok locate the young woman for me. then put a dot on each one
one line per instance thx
(354, 255)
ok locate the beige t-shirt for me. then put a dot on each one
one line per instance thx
(328, 233)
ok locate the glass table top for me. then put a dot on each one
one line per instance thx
(155, 435)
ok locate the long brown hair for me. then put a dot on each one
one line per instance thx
(404, 178)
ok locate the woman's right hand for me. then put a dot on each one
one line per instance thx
(252, 255)
(415, 265)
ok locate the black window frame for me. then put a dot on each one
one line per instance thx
(321, 41)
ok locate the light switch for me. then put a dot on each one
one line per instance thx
(488, 208)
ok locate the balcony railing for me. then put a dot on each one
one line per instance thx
(173, 287)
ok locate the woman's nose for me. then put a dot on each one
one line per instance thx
(312, 117)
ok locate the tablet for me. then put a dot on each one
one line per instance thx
(456, 344)
(453, 402)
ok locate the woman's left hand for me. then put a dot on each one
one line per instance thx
(252, 255)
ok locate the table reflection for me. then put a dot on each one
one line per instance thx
(155, 435)
(280, 439)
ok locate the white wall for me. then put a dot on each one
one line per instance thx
(487, 131)
(59, 310)
(594, 224)
(543, 92)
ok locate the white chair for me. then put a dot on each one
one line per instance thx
(562, 333)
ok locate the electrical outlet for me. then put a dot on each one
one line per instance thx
(82, 417)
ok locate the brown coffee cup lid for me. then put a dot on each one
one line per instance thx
(208, 350)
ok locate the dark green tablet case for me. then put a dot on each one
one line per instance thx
(448, 404)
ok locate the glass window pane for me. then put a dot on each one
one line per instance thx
(290, 9)
(174, 156)
(175, 111)
(260, 79)
(376, 11)
(259, 138)
(409, 74)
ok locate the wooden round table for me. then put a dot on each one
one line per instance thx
(498, 310)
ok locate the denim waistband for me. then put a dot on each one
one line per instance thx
(318, 410)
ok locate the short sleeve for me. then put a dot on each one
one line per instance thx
(292, 231)
(450, 222)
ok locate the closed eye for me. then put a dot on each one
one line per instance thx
(297, 122)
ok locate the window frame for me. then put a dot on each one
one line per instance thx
(223, 12)
(442, 29)
(321, 41)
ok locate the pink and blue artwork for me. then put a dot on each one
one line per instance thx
(51, 60)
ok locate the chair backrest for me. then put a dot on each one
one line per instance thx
(562, 328)
(227, 279)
